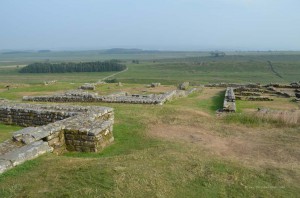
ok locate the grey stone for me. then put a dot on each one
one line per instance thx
(5, 165)
(27, 152)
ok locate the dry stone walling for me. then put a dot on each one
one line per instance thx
(121, 97)
(53, 128)
(229, 100)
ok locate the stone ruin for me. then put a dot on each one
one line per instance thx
(53, 128)
(88, 86)
(121, 97)
(51, 82)
(225, 85)
(184, 86)
(256, 92)
(252, 94)
(229, 100)
(155, 84)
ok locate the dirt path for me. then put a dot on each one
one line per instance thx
(114, 74)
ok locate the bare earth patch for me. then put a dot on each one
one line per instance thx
(252, 147)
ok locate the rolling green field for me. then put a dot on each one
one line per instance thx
(180, 149)
(165, 67)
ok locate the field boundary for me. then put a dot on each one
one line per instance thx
(273, 70)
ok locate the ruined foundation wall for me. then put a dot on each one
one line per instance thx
(23, 116)
(84, 129)
(229, 100)
(78, 96)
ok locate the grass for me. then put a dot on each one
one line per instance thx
(12, 76)
(16, 92)
(251, 120)
(238, 155)
(140, 165)
(128, 133)
(214, 103)
(219, 179)
(180, 67)
(6, 131)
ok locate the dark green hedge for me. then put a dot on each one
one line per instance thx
(98, 66)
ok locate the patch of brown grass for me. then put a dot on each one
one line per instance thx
(286, 117)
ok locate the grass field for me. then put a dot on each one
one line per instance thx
(180, 149)
(168, 68)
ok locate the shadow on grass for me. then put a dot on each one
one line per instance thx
(217, 101)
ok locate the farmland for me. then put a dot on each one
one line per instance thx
(196, 67)
(180, 149)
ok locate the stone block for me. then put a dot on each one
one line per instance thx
(69, 137)
(54, 141)
(70, 147)
(5, 165)
(27, 152)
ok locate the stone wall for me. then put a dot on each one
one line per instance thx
(122, 97)
(249, 85)
(88, 86)
(21, 115)
(60, 128)
(229, 100)
(184, 86)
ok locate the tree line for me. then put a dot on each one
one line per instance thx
(98, 66)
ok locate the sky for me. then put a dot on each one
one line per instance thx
(150, 24)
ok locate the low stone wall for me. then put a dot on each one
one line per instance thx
(88, 86)
(250, 85)
(184, 86)
(23, 115)
(50, 82)
(277, 85)
(60, 128)
(122, 97)
(229, 100)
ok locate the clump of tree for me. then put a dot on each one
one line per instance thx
(135, 61)
(98, 66)
(217, 54)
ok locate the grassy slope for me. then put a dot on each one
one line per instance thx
(139, 165)
(252, 68)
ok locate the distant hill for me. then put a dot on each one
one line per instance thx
(127, 51)
(16, 52)
(44, 51)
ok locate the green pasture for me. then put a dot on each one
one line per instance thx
(142, 164)
(138, 165)
(189, 66)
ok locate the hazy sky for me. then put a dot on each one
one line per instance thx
(150, 24)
